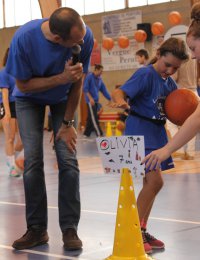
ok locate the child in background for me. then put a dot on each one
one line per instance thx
(142, 57)
(146, 91)
(9, 123)
(93, 85)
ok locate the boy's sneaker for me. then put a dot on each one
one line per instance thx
(14, 172)
(147, 246)
(153, 242)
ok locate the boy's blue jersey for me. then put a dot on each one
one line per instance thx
(94, 85)
(7, 81)
(31, 55)
(147, 91)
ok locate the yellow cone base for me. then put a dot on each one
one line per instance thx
(144, 257)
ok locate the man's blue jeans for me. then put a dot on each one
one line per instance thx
(30, 118)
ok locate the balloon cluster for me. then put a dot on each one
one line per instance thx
(157, 28)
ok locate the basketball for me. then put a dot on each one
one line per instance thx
(179, 105)
(19, 164)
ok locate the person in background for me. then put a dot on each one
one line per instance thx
(13, 144)
(122, 116)
(142, 57)
(186, 77)
(42, 59)
(93, 84)
(146, 91)
(192, 125)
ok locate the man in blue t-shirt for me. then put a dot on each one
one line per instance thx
(40, 60)
(93, 84)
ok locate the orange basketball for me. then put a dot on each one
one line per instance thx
(140, 36)
(19, 164)
(174, 18)
(108, 43)
(123, 42)
(179, 105)
(157, 28)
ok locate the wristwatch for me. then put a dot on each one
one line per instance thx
(68, 123)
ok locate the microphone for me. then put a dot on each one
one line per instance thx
(76, 49)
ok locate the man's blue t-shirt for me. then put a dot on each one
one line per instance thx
(32, 55)
(147, 91)
(7, 81)
(94, 85)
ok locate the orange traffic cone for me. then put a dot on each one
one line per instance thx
(128, 243)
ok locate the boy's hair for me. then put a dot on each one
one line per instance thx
(5, 57)
(194, 28)
(98, 66)
(62, 20)
(175, 46)
(142, 52)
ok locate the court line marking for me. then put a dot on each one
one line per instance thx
(44, 253)
(110, 213)
(97, 251)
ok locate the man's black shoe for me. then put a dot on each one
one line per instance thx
(31, 238)
(71, 240)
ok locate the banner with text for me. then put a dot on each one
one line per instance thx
(121, 59)
(115, 25)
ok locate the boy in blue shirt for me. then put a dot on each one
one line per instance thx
(40, 60)
(93, 84)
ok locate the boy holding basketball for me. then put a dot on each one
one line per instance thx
(146, 91)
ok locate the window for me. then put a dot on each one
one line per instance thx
(91, 7)
(85, 7)
(77, 5)
(150, 2)
(1, 14)
(134, 3)
(18, 12)
(111, 5)
(11, 13)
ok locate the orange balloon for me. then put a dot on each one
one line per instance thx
(157, 28)
(180, 104)
(174, 18)
(108, 43)
(95, 44)
(123, 42)
(140, 36)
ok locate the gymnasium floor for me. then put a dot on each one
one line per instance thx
(175, 217)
